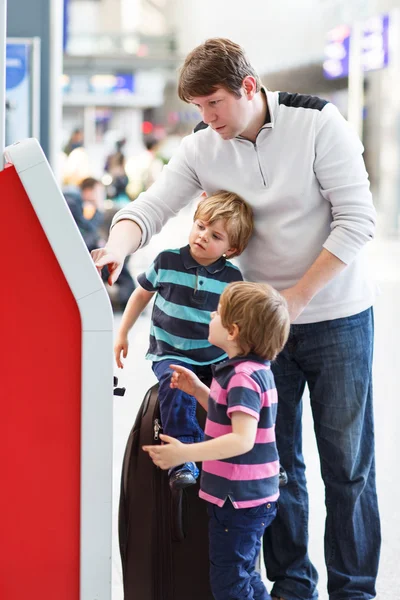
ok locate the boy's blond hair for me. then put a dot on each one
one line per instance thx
(236, 213)
(261, 314)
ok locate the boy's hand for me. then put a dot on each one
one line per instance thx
(121, 346)
(185, 380)
(169, 455)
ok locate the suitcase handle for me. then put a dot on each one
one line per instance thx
(177, 529)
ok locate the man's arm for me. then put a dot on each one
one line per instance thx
(134, 225)
(321, 272)
(175, 187)
(340, 170)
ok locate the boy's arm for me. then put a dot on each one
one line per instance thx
(202, 394)
(240, 441)
(187, 381)
(135, 306)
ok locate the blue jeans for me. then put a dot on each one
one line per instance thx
(335, 359)
(177, 409)
(235, 541)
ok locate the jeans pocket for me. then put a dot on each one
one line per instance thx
(260, 517)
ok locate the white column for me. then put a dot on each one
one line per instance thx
(3, 38)
(130, 13)
(356, 80)
(55, 92)
(389, 170)
(89, 125)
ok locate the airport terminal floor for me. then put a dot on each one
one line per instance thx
(137, 377)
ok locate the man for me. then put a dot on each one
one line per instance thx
(299, 165)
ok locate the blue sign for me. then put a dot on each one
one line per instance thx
(374, 47)
(65, 24)
(18, 92)
(121, 83)
(17, 64)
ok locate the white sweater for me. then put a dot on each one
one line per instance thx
(306, 182)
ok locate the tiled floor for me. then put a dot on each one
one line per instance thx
(137, 377)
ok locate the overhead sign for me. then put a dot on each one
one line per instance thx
(120, 83)
(18, 92)
(374, 47)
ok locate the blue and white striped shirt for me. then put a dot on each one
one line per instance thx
(187, 294)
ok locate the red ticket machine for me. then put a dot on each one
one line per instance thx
(56, 395)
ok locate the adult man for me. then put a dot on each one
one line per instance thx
(299, 165)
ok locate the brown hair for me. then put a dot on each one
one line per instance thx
(216, 63)
(88, 183)
(236, 213)
(261, 314)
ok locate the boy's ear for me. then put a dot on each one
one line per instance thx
(229, 252)
(233, 332)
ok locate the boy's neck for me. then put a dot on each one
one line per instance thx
(204, 263)
(232, 350)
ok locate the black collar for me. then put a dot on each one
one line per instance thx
(267, 114)
(230, 362)
(190, 263)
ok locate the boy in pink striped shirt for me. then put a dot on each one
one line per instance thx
(240, 476)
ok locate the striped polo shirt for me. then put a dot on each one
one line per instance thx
(243, 383)
(187, 294)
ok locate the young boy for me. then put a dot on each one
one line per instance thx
(188, 283)
(240, 470)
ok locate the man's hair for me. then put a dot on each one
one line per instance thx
(236, 213)
(216, 63)
(261, 314)
(88, 183)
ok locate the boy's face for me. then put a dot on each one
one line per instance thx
(208, 242)
(227, 114)
(217, 334)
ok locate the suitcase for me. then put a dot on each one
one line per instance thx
(163, 536)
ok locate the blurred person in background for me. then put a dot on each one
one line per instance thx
(76, 163)
(86, 203)
(115, 166)
(299, 165)
(144, 168)
(75, 141)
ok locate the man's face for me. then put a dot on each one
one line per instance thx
(227, 114)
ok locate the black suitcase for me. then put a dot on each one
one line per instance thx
(163, 537)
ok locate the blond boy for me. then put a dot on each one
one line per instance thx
(188, 283)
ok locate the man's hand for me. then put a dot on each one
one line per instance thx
(169, 455)
(296, 302)
(115, 262)
(325, 268)
(121, 346)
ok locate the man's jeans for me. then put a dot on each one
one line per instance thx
(235, 541)
(177, 409)
(335, 359)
